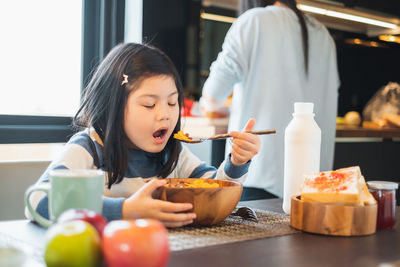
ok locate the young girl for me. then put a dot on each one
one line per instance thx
(130, 111)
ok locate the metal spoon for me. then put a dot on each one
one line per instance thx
(193, 140)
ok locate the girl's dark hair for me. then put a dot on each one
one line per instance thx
(244, 5)
(105, 99)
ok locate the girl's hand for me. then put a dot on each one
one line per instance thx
(245, 145)
(142, 205)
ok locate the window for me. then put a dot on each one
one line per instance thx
(48, 50)
(40, 55)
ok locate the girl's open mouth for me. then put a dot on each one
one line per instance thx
(159, 135)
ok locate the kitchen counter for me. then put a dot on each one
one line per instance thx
(349, 131)
(300, 249)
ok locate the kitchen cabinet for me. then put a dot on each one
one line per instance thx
(377, 152)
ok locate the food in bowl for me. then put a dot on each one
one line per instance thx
(213, 200)
(197, 183)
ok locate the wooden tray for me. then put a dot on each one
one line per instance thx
(332, 219)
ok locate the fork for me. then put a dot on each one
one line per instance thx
(246, 213)
(193, 140)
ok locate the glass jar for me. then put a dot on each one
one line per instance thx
(385, 195)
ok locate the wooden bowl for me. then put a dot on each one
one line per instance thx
(332, 219)
(211, 205)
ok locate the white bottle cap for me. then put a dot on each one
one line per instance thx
(303, 108)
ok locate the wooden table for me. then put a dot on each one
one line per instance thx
(300, 249)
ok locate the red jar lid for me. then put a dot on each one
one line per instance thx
(382, 185)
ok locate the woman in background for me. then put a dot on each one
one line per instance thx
(273, 56)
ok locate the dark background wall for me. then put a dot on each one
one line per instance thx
(167, 24)
(384, 6)
(364, 70)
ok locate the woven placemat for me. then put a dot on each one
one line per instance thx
(232, 229)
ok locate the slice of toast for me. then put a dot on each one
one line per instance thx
(345, 186)
(366, 197)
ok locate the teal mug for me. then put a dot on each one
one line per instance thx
(77, 189)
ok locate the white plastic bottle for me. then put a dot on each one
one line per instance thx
(302, 150)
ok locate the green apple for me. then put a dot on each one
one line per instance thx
(72, 244)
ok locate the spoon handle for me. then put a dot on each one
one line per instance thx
(221, 136)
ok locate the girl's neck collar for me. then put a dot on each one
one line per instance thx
(149, 154)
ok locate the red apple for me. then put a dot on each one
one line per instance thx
(95, 219)
(135, 243)
(74, 243)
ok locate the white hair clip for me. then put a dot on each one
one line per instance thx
(125, 79)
